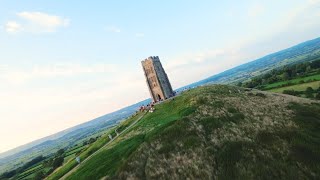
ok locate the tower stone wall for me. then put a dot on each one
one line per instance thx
(157, 79)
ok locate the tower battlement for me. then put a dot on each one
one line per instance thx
(157, 79)
(152, 58)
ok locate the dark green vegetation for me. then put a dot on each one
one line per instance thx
(287, 75)
(301, 79)
(26, 167)
(41, 165)
(216, 132)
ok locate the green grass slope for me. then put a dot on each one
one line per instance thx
(216, 132)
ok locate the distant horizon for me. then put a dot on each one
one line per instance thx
(61, 66)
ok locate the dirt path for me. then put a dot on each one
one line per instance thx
(89, 157)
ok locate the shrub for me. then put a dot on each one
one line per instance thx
(309, 92)
(236, 117)
(40, 175)
(57, 162)
(232, 110)
(217, 104)
(261, 95)
(290, 92)
(201, 100)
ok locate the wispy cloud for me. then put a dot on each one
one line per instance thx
(139, 35)
(36, 22)
(113, 29)
(20, 76)
(313, 2)
(197, 58)
(13, 27)
(255, 10)
(300, 19)
(194, 66)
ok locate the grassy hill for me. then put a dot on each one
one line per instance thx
(215, 132)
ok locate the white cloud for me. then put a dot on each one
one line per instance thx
(36, 22)
(113, 29)
(196, 58)
(230, 13)
(300, 19)
(13, 27)
(21, 76)
(200, 57)
(313, 2)
(189, 68)
(69, 69)
(255, 10)
(139, 35)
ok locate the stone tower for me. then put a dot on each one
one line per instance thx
(157, 79)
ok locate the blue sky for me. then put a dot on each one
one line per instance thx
(66, 62)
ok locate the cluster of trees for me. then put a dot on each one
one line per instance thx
(27, 165)
(309, 93)
(54, 162)
(283, 74)
(90, 141)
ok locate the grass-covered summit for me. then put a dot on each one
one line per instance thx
(216, 132)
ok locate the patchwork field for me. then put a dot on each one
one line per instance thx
(298, 87)
(293, 81)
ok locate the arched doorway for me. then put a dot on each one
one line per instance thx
(159, 97)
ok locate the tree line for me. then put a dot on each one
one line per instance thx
(52, 162)
(309, 93)
(284, 74)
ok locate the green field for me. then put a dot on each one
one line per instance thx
(74, 150)
(32, 176)
(30, 171)
(298, 87)
(293, 81)
(67, 158)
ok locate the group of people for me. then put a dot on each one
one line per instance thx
(149, 107)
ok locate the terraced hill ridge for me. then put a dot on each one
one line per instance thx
(216, 132)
